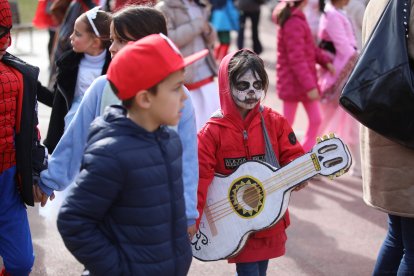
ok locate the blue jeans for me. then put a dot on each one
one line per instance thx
(396, 256)
(252, 269)
(15, 239)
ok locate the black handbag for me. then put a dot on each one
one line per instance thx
(380, 90)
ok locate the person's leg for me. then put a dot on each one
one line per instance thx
(263, 267)
(15, 240)
(407, 262)
(225, 42)
(221, 50)
(247, 269)
(391, 251)
(240, 35)
(289, 111)
(257, 45)
(315, 119)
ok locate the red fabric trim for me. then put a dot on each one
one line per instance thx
(19, 99)
(198, 84)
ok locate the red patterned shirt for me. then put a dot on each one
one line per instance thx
(9, 87)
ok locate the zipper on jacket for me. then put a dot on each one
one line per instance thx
(246, 144)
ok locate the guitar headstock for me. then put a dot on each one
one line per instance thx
(331, 155)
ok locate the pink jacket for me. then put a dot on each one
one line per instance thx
(334, 26)
(297, 56)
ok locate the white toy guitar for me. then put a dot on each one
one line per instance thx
(256, 196)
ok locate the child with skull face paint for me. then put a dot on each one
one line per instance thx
(233, 135)
(22, 157)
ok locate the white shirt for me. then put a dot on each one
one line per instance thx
(90, 67)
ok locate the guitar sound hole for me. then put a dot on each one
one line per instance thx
(251, 197)
(246, 196)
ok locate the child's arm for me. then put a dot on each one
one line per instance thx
(207, 161)
(65, 161)
(44, 95)
(188, 135)
(98, 186)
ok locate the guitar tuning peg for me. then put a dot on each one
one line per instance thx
(325, 137)
(331, 177)
(318, 139)
(342, 171)
(331, 135)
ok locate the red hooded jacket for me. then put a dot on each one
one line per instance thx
(229, 137)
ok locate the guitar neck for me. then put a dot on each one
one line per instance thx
(295, 172)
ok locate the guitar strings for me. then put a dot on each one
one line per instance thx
(224, 201)
(288, 178)
(217, 214)
(228, 210)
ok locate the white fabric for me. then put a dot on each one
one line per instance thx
(90, 67)
(205, 101)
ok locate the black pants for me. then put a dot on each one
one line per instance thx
(254, 17)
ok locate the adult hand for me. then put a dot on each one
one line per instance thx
(191, 230)
(313, 94)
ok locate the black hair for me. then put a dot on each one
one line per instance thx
(128, 102)
(102, 23)
(286, 12)
(244, 61)
(135, 22)
(322, 5)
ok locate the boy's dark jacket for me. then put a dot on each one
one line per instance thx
(31, 157)
(64, 91)
(126, 214)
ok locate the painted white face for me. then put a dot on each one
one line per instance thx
(247, 91)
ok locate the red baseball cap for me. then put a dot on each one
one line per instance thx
(142, 64)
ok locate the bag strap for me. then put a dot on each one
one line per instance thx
(270, 156)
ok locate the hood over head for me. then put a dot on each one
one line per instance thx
(228, 106)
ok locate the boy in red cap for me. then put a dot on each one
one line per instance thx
(21, 155)
(126, 215)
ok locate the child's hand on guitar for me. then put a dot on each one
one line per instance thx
(301, 186)
(191, 230)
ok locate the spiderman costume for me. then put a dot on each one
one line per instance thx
(22, 157)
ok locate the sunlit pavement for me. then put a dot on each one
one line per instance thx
(332, 231)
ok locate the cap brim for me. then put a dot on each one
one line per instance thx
(194, 57)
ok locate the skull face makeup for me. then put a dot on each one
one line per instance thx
(248, 90)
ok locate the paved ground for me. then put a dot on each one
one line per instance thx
(332, 232)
